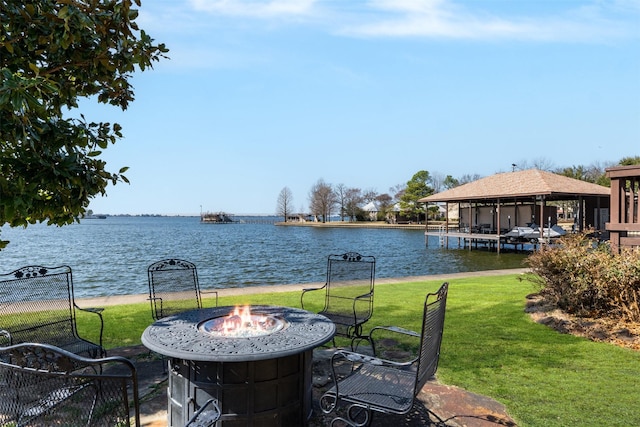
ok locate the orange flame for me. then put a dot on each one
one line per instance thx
(241, 319)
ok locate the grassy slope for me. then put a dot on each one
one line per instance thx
(490, 347)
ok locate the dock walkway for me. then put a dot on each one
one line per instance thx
(494, 242)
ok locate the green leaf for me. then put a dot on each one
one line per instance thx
(63, 13)
(91, 49)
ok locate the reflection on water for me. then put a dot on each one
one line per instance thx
(110, 256)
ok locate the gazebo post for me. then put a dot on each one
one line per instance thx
(470, 221)
(498, 226)
(542, 205)
(446, 224)
(426, 224)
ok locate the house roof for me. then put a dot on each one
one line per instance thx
(370, 207)
(520, 184)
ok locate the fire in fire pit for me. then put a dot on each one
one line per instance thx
(241, 323)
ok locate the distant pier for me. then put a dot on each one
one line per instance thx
(217, 218)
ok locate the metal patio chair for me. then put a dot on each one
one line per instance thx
(43, 385)
(370, 383)
(37, 305)
(174, 287)
(345, 303)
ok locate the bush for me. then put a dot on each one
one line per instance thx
(583, 277)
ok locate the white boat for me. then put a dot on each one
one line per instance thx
(532, 233)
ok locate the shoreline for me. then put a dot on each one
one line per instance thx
(112, 300)
(364, 224)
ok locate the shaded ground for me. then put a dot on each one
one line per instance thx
(447, 406)
(622, 334)
(439, 405)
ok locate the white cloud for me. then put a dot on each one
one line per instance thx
(446, 19)
(256, 8)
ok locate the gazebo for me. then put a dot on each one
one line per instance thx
(490, 207)
(624, 226)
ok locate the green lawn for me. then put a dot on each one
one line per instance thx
(490, 347)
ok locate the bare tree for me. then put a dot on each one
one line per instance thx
(540, 163)
(340, 191)
(397, 191)
(467, 178)
(385, 203)
(285, 203)
(437, 181)
(543, 164)
(369, 195)
(322, 199)
(353, 201)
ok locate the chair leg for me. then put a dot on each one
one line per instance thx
(356, 416)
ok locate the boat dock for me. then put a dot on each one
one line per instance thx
(492, 242)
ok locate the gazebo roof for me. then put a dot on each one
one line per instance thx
(520, 184)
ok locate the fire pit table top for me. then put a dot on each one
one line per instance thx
(180, 336)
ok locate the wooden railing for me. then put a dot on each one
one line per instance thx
(624, 224)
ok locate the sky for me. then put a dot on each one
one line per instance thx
(259, 95)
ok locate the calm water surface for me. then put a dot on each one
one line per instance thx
(110, 256)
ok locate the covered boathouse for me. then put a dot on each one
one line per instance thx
(491, 208)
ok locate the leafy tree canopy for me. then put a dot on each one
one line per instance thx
(417, 188)
(52, 53)
(630, 161)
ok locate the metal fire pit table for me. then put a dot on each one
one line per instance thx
(263, 380)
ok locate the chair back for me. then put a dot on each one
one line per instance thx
(431, 336)
(43, 385)
(350, 289)
(173, 287)
(37, 305)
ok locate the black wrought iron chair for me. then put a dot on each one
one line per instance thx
(370, 383)
(345, 303)
(43, 385)
(174, 287)
(37, 305)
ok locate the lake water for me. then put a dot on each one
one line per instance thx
(110, 256)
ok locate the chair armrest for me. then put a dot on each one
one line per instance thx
(211, 292)
(305, 290)
(396, 329)
(359, 298)
(367, 295)
(362, 307)
(356, 341)
(97, 311)
(92, 309)
(356, 359)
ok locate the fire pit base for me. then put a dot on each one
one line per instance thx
(267, 393)
(263, 380)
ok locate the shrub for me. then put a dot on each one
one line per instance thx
(583, 277)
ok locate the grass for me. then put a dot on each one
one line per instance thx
(490, 347)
